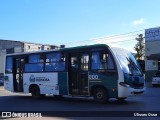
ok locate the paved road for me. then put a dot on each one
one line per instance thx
(149, 101)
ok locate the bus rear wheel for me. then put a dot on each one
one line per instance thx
(35, 91)
(100, 95)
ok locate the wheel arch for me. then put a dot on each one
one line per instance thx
(31, 86)
(97, 86)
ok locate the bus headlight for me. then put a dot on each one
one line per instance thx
(124, 84)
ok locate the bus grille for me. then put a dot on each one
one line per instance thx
(134, 85)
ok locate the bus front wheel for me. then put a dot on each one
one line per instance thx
(100, 95)
(35, 91)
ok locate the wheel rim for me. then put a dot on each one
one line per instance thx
(100, 95)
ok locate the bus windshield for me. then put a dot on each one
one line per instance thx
(127, 61)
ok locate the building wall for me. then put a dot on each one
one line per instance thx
(152, 46)
(5, 44)
(2, 60)
(28, 47)
(18, 49)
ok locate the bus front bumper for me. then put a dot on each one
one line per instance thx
(133, 91)
(129, 91)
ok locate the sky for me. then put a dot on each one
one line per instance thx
(70, 21)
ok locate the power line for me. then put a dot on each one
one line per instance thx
(107, 37)
(110, 37)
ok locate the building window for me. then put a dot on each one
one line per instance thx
(10, 50)
(29, 46)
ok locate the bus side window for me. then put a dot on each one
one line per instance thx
(95, 60)
(34, 63)
(102, 61)
(36, 58)
(110, 62)
(34, 67)
(9, 64)
(55, 62)
(85, 62)
(99, 60)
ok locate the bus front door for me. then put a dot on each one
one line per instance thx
(78, 74)
(18, 74)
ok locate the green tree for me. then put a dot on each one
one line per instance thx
(139, 47)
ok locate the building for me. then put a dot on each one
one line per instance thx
(152, 52)
(11, 46)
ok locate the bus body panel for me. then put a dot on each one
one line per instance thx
(9, 82)
(125, 91)
(63, 83)
(47, 82)
(109, 82)
(122, 92)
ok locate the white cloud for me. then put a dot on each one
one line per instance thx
(138, 22)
